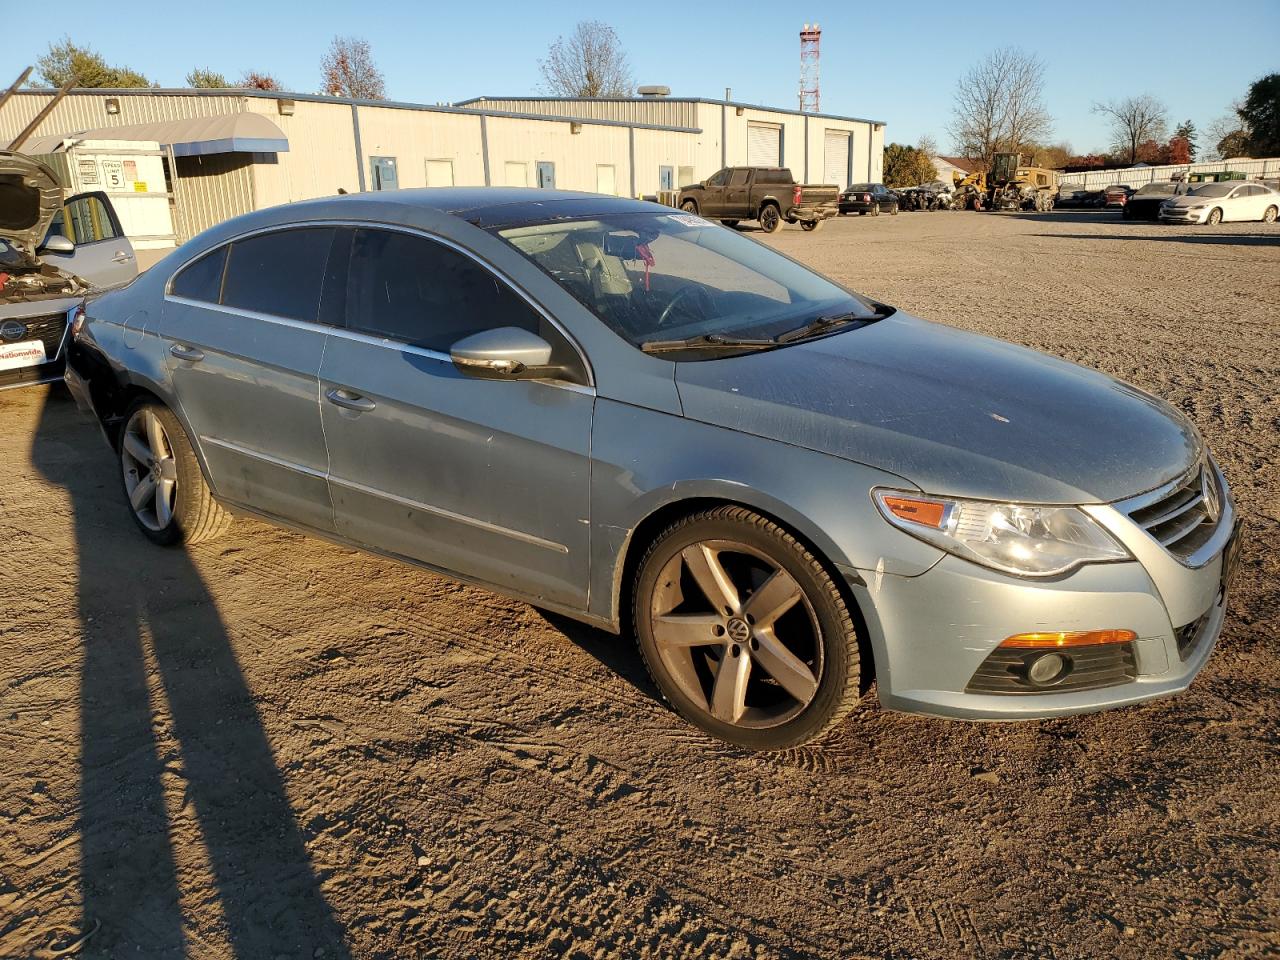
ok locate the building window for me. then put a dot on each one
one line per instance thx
(686, 177)
(439, 173)
(383, 170)
(606, 180)
(517, 173)
(666, 178)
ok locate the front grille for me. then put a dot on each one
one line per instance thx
(1104, 665)
(1180, 518)
(1189, 637)
(47, 328)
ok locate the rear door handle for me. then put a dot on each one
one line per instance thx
(183, 352)
(352, 401)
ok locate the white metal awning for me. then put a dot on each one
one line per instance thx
(194, 137)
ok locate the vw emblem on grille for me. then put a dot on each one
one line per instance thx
(13, 330)
(1209, 490)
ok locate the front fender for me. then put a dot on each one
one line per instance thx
(644, 462)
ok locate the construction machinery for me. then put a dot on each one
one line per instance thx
(1008, 185)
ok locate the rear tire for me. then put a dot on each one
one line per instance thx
(770, 218)
(810, 225)
(727, 588)
(875, 209)
(163, 485)
(730, 223)
(1269, 215)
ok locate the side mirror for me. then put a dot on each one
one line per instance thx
(57, 243)
(504, 353)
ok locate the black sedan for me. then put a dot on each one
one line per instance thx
(872, 198)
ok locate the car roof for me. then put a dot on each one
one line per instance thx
(506, 206)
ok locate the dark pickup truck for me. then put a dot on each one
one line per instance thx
(767, 194)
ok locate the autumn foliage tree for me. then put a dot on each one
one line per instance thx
(257, 80)
(906, 166)
(349, 71)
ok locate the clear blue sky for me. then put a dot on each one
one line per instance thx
(900, 65)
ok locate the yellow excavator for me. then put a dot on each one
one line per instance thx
(1008, 185)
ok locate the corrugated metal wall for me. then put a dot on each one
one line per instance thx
(88, 111)
(658, 110)
(211, 189)
(321, 156)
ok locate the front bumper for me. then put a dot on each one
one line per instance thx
(1184, 216)
(931, 633)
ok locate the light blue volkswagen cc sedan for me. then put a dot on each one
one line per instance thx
(633, 416)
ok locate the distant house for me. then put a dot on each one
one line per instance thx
(947, 166)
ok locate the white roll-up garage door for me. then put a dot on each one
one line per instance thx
(764, 145)
(835, 167)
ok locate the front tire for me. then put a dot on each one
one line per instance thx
(1215, 217)
(770, 218)
(689, 206)
(744, 631)
(163, 485)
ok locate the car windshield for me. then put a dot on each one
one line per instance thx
(1155, 188)
(1214, 190)
(667, 277)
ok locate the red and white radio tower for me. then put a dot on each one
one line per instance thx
(810, 95)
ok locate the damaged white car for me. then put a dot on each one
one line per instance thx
(52, 253)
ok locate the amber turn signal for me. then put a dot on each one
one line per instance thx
(1069, 638)
(927, 512)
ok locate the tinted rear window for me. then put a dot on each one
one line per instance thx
(280, 274)
(202, 280)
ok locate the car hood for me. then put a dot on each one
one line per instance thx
(1189, 201)
(30, 196)
(953, 412)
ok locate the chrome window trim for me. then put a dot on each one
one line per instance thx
(265, 457)
(375, 225)
(451, 515)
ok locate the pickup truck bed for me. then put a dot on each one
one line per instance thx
(769, 195)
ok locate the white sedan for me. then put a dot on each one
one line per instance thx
(1229, 200)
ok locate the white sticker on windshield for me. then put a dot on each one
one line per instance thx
(689, 220)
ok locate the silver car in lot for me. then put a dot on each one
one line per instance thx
(52, 253)
(633, 416)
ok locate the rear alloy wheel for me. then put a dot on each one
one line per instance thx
(1269, 216)
(167, 494)
(770, 218)
(744, 631)
(810, 225)
(1215, 216)
(875, 209)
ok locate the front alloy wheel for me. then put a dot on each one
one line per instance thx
(744, 631)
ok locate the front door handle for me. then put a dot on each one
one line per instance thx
(122, 257)
(352, 401)
(183, 352)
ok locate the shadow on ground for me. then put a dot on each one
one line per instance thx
(173, 749)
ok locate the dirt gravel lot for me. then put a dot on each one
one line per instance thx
(274, 747)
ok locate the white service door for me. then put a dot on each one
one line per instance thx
(517, 174)
(764, 145)
(835, 165)
(439, 173)
(606, 181)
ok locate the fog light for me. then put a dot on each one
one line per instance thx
(1047, 669)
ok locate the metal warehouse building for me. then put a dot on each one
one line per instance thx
(226, 152)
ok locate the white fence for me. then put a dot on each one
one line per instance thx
(1137, 176)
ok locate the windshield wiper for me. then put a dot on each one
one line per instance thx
(819, 325)
(706, 341)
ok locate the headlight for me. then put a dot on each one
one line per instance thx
(1022, 539)
(1196, 206)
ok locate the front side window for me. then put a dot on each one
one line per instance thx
(409, 288)
(717, 179)
(89, 219)
(655, 276)
(280, 273)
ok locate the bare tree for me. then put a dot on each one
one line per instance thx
(999, 106)
(590, 62)
(349, 71)
(1227, 133)
(1134, 121)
